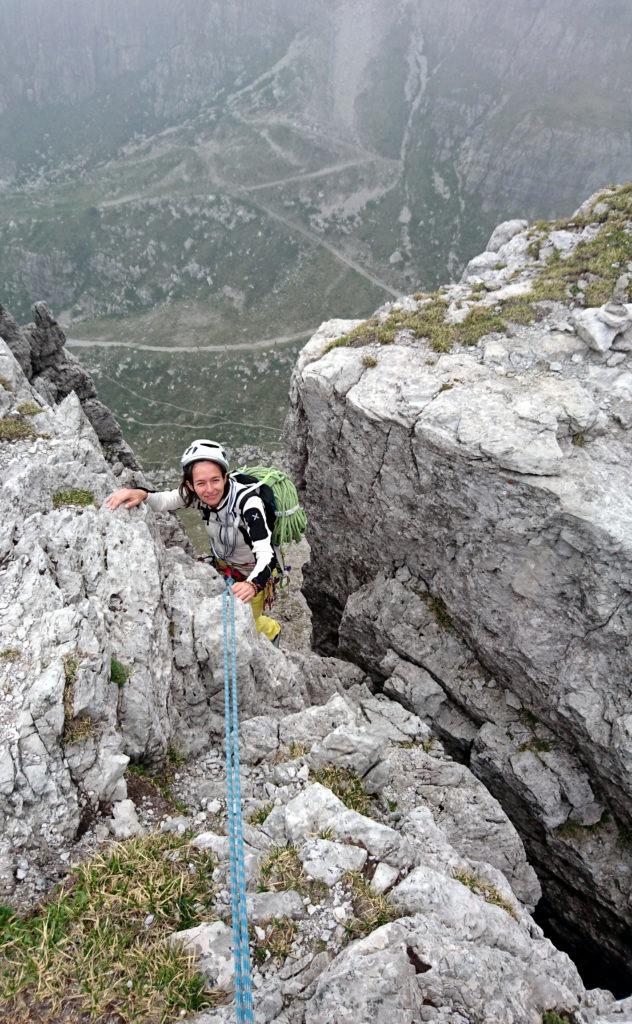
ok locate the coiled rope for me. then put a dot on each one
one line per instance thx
(291, 520)
(244, 1006)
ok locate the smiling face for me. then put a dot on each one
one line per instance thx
(208, 481)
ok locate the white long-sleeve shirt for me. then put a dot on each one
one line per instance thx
(238, 529)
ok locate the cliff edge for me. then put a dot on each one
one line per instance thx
(466, 463)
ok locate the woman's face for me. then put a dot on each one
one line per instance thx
(209, 481)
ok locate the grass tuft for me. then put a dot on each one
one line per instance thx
(98, 950)
(29, 409)
(14, 429)
(346, 785)
(536, 746)
(9, 654)
(4, 383)
(79, 728)
(260, 816)
(282, 870)
(277, 944)
(485, 889)
(370, 909)
(438, 608)
(369, 361)
(73, 496)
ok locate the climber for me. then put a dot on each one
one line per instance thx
(235, 517)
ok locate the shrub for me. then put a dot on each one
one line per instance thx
(119, 673)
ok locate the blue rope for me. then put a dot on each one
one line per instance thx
(244, 1006)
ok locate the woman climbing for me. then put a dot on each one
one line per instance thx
(236, 520)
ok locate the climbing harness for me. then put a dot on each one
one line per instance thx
(244, 1007)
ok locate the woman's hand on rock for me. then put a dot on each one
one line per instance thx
(244, 590)
(128, 497)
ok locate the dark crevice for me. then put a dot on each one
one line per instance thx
(420, 966)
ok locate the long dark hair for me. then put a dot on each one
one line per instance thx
(186, 490)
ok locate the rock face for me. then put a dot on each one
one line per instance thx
(109, 642)
(54, 373)
(458, 944)
(407, 897)
(471, 519)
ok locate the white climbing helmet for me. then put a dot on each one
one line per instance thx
(203, 449)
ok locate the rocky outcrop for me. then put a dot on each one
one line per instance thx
(54, 373)
(472, 538)
(455, 944)
(109, 642)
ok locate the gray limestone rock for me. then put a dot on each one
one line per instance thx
(211, 946)
(499, 476)
(268, 906)
(328, 861)
(125, 821)
(504, 233)
(354, 749)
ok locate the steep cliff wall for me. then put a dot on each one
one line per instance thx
(466, 465)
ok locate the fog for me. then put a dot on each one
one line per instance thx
(197, 174)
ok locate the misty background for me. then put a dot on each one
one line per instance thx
(193, 186)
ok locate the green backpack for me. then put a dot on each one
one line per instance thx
(290, 521)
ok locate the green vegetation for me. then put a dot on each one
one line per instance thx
(9, 654)
(575, 830)
(293, 752)
(346, 785)
(4, 383)
(73, 496)
(428, 322)
(175, 758)
(77, 728)
(579, 440)
(440, 612)
(119, 673)
(277, 943)
(486, 890)
(29, 409)
(12, 428)
(98, 948)
(536, 745)
(370, 909)
(326, 833)
(597, 262)
(281, 870)
(260, 816)
(553, 1017)
(369, 361)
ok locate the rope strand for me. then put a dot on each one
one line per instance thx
(244, 1007)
